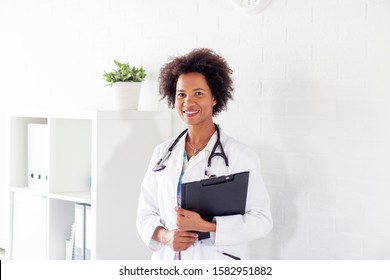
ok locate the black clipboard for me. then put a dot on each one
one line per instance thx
(218, 196)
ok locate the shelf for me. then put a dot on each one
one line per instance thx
(78, 197)
(96, 158)
(94, 114)
(30, 191)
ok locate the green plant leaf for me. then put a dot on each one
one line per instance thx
(124, 73)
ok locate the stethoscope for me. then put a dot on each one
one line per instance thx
(160, 164)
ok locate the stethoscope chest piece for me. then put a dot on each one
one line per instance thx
(159, 167)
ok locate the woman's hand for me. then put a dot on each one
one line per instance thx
(180, 240)
(176, 239)
(191, 221)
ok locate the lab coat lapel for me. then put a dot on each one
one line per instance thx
(170, 178)
(196, 160)
(176, 165)
(178, 154)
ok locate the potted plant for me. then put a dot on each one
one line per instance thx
(126, 82)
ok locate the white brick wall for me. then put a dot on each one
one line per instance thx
(312, 97)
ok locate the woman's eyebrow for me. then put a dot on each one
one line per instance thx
(198, 89)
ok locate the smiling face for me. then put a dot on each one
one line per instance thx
(194, 101)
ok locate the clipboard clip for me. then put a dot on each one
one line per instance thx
(217, 180)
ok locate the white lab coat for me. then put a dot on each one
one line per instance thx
(159, 197)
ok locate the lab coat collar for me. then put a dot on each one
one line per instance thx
(179, 152)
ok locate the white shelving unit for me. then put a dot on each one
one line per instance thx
(97, 158)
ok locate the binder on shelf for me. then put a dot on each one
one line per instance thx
(69, 245)
(82, 232)
(79, 237)
(88, 232)
(218, 196)
(38, 156)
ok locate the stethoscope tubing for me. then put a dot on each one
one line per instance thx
(160, 164)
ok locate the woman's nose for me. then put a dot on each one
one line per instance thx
(187, 100)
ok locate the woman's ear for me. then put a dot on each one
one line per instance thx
(214, 102)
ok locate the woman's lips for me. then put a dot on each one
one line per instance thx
(191, 113)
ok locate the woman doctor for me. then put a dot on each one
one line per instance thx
(199, 86)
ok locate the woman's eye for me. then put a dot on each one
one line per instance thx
(198, 93)
(181, 95)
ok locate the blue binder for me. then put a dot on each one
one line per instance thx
(218, 196)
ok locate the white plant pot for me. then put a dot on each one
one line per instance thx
(126, 95)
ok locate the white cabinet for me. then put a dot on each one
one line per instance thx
(95, 157)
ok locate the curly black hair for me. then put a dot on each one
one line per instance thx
(206, 62)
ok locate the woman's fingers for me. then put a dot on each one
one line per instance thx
(182, 240)
(187, 220)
